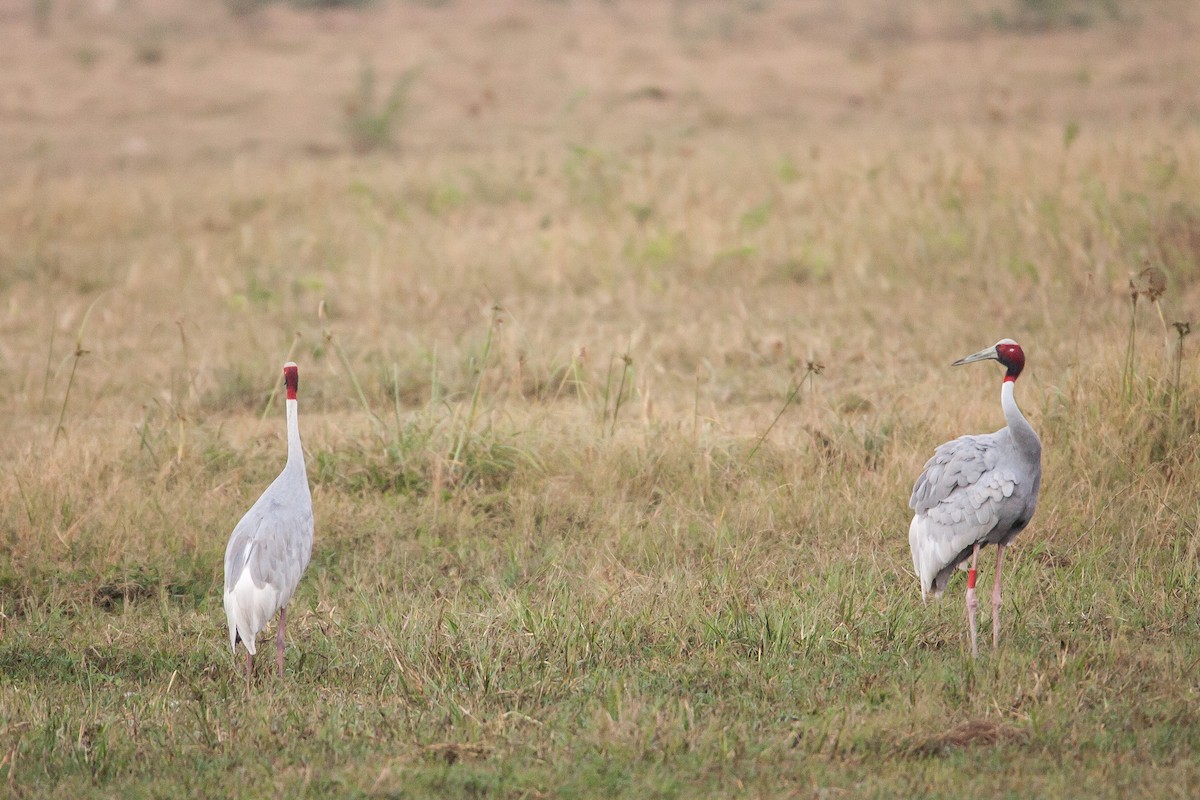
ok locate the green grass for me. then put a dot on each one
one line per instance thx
(641, 615)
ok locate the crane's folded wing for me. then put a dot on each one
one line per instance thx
(275, 540)
(955, 465)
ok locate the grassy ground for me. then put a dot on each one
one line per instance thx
(546, 309)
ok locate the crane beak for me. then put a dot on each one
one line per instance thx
(982, 355)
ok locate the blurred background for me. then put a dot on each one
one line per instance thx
(93, 84)
(601, 169)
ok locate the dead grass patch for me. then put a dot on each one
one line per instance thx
(453, 752)
(973, 733)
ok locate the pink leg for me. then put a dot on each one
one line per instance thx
(996, 599)
(972, 603)
(279, 639)
(249, 669)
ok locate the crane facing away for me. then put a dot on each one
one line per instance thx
(270, 547)
(976, 490)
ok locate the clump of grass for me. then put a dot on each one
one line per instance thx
(43, 13)
(1160, 434)
(969, 734)
(87, 56)
(149, 47)
(371, 120)
(432, 453)
(245, 8)
(319, 4)
(1034, 16)
(468, 424)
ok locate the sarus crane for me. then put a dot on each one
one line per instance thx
(976, 490)
(269, 549)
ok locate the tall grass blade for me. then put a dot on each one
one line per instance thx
(469, 423)
(80, 352)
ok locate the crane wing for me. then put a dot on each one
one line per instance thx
(956, 465)
(958, 500)
(274, 539)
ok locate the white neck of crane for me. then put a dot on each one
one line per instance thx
(1008, 401)
(295, 451)
(1020, 428)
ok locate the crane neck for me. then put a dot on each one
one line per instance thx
(295, 451)
(1022, 432)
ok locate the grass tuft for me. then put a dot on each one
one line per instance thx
(371, 120)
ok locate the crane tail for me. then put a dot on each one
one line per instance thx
(929, 560)
(248, 609)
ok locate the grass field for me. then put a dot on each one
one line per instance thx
(551, 270)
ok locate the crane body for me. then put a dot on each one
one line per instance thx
(976, 490)
(270, 547)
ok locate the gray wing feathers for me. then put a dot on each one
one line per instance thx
(236, 552)
(275, 539)
(975, 506)
(955, 465)
(965, 487)
(282, 550)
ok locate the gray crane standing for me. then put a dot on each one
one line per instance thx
(976, 490)
(269, 549)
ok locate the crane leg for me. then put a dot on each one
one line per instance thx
(972, 603)
(996, 598)
(279, 639)
(249, 670)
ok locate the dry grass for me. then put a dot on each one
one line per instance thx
(972, 733)
(541, 337)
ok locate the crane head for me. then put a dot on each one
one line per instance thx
(1006, 351)
(291, 379)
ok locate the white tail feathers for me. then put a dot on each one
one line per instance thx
(249, 608)
(931, 554)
